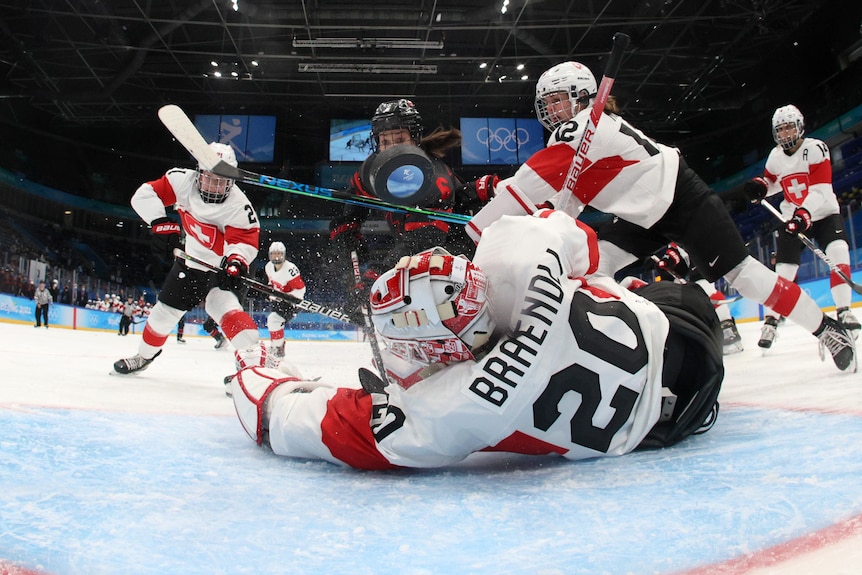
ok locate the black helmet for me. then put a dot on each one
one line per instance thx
(394, 115)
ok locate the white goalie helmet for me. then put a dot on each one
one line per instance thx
(215, 189)
(788, 126)
(430, 310)
(571, 79)
(277, 253)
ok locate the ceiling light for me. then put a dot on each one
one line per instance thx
(366, 43)
(214, 64)
(370, 68)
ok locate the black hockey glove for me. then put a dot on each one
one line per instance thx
(344, 233)
(755, 189)
(231, 274)
(670, 260)
(285, 309)
(799, 223)
(166, 238)
(470, 197)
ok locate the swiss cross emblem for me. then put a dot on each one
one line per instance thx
(795, 187)
(205, 234)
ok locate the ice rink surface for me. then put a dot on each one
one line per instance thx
(152, 474)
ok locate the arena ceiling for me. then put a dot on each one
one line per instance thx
(112, 63)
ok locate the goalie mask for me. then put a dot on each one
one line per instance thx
(396, 115)
(277, 253)
(563, 91)
(215, 189)
(430, 310)
(788, 126)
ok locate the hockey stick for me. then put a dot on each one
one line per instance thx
(817, 251)
(673, 274)
(725, 301)
(302, 304)
(621, 42)
(182, 128)
(369, 327)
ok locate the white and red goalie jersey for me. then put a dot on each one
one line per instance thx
(212, 230)
(286, 279)
(804, 179)
(577, 373)
(625, 173)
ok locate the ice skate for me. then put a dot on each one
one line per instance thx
(221, 341)
(768, 333)
(849, 321)
(732, 339)
(180, 339)
(838, 342)
(277, 351)
(135, 364)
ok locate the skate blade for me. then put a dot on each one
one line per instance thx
(118, 374)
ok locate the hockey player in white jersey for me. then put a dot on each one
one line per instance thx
(800, 169)
(656, 197)
(222, 229)
(522, 350)
(284, 276)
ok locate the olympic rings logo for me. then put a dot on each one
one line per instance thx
(509, 138)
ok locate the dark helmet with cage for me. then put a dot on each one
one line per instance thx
(396, 115)
(430, 311)
(214, 189)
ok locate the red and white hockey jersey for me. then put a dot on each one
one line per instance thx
(804, 178)
(625, 173)
(212, 230)
(286, 279)
(577, 373)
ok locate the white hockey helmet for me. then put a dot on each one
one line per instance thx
(784, 116)
(430, 310)
(572, 79)
(277, 252)
(215, 189)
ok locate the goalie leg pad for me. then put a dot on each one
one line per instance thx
(251, 388)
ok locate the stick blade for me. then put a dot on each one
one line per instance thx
(181, 127)
(225, 170)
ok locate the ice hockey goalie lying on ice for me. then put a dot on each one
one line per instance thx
(521, 350)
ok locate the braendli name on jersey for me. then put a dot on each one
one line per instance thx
(540, 306)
